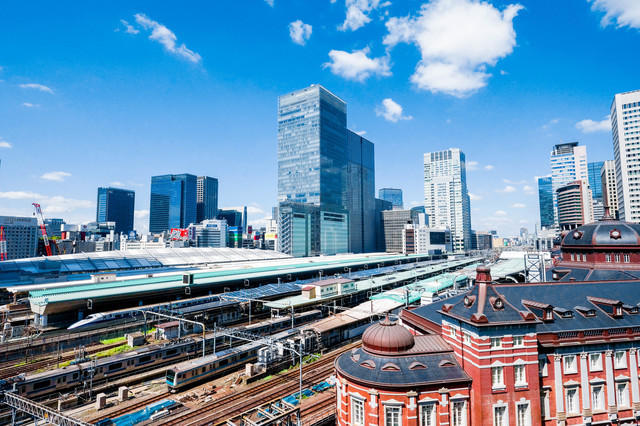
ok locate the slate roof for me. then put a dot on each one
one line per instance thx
(599, 234)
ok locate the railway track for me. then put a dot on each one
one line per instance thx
(319, 409)
(144, 402)
(239, 402)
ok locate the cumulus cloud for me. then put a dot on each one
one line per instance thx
(358, 13)
(458, 40)
(590, 126)
(625, 13)
(55, 176)
(474, 165)
(55, 204)
(5, 144)
(507, 189)
(357, 65)
(518, 206)
(38, 87)
(391, 111)
(299, 32)
(167, 38)
(140, 214)
(128, 28)
(528, 189)
(474, 197)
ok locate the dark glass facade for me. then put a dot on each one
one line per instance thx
(116, 205)
(392, 195)
(545, 196)
(595, 179)
(233, 218)
(173, 202)
(207, 200)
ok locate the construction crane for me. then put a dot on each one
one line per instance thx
(43, 228)
(3, 244)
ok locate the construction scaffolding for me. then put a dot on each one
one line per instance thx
(36, 410)
(278, 413)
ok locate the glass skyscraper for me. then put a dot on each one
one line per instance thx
(207, 202)
(393, 195)
(568, 164)
(359, 195)
(545, 197)
(595, 184)
(173, 202)
(116, 205)
(446, 198)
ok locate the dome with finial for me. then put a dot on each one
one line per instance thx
(387, 338)
(608, 232)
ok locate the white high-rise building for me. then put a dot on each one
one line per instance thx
(446, 198)
(568, 164)
(609, 191)
(625, 127)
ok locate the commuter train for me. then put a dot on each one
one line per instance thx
(132, 312)
(74, 376)
(205, 368)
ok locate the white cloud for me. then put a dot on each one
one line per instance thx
(500, 213)
(416, 203)
(116, 183)
(55, 176)
(19, 195)
(474, 197)
(358, 13)
(472, 165)
(489, 167)
(360, 132)
(528, 189)
(5, 144)
(250, 209)
(590, 126)
(269, 2)
(30, 105)
(39, 87)
(141, 214)
(55, 204)
(626, 13)
(129, 29)
(518, 206)
(299, 32)
(507, 189)
(517, 182)
(357, 65)
(392, 111)
(457, 39)
(167, 38)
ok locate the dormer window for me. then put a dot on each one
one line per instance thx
(618, 311)
(584, 311)
(633, 310)
(564, 313)
(548, 314)
(497, 303)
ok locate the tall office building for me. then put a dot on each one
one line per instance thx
(22, 235)
(393, 223)
(207, 199)
(381, 206)
(446, 198)
(574, 205)
(625, 111)
(545, 198)
(359, 196)
(116, 205)
(568, 164)
(233, 218)
(173, 202)
(595, 183)
(609, 187)
(394, 195)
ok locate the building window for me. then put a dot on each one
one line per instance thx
(496, 342)
(573, 405)
(392, 416)
(618, 258)
(497, 380)
(622, 394)
(520, 375)
(458, 414)
(467, 338)
(500, 416)
(626, 258)
(570, 364)
(518, 341)
(428, 415)
(542, 367)
(572, 257)
(595, 362)
(607, 257)
(584, 257)
(597, 398)
(620, 359)
(523, 417)
(357, 412)
(452, 332)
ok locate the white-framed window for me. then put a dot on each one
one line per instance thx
(584, 257)
(523, 416)
(496, 342)
(520, 375)
(357, 411)
(467, 338)
(607, 257)
(518, 341)
(597, 397)
(572, 257)
(542, 367)
(497, 378)
(617, 258)
(622, 394)
(459, 413)
(452, 332)
(392, 415)
(626, 258)
(573, 405)
(570, 364)
(500, 416)
(595, 362)
(428, 414)
(620, 359)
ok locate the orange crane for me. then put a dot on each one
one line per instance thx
(43, 228)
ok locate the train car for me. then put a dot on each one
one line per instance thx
(274, 325)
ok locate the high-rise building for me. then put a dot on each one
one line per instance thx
(233, 218)
(393, 222)
(173, 202)
(209, 233)
(394, 195)
(420, 239)
(446, 198)
(381, 206)
(359, 194)
(609, 187)
(481, 240)
(21, 234)
(207, 199)
(116, 205)
(568, 164)
(574, 205)
(312, 142)
(545, 198)
(625, 111)
(54, 226)
(595, 183)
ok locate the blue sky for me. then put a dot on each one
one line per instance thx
(114, 94)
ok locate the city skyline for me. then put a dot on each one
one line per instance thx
(143, 88)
